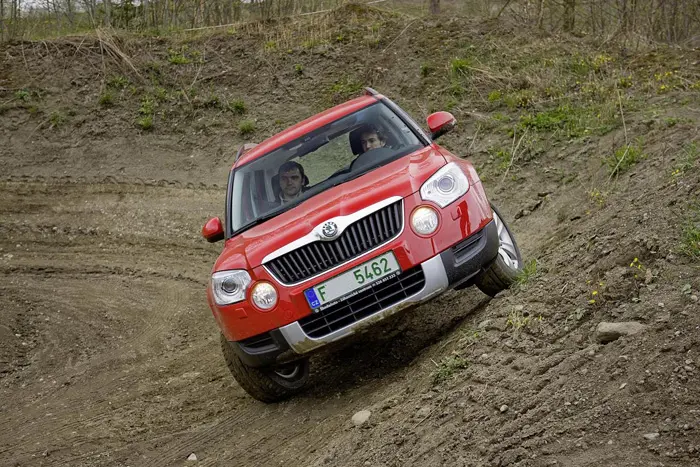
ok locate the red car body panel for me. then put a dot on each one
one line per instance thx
(305, 126)
(403, 178)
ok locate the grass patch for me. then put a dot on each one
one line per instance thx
(298, 69)
(624, 158)
(343, 90)
(118, 82)
(528, 273)
(22, 95)
(145, 122)
(689, 156)
(147, 106)
(237, 106)
(447, 367)
(246, 127)
(690, 238)
(178, 57)
(426, 69)
(460, 66)
(56, 119)
(571, 121)
(106, 99)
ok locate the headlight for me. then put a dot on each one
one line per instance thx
(424, 220)
(264, 295)
(445, 186)
(229, 286)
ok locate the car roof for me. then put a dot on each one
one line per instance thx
(305, 126)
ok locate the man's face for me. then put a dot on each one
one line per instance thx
(290, 183)
(371, 141)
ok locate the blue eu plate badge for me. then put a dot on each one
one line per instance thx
(311, 297)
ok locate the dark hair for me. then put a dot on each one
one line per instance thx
(370, 128)
(289, 166)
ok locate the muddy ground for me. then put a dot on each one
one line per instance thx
(109, 354)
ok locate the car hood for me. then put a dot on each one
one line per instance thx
(401, 177)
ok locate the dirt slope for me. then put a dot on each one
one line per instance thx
(108, 352)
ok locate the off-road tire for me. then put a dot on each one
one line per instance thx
(264, 384)
(499, 275)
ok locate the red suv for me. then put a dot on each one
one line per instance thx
(338, 222)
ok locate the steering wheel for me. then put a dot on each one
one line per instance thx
(370, 157)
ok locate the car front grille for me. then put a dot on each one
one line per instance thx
(358, 238)
(364, 304)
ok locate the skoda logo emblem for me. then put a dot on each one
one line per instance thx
(329, 229)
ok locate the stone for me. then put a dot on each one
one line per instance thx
(651, 436)
(608, 332)
(361, 417)
(192, 457)
(503, 408)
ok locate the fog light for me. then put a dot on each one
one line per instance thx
(264, 295)
(424, 220)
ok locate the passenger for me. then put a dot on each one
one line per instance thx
(292, 182)
(371, 137)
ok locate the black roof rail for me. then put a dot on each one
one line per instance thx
(246, 147)
(370, 92)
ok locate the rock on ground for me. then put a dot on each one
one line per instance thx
(608, 332)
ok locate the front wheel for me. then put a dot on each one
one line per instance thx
(503, 272)
(266, 384)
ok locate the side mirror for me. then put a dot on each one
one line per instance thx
(441, 123)
(213, 231)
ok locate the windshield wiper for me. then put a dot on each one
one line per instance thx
(258, 221)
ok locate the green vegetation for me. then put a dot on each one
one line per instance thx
(624, 158)
(22, 95)
(298, 69)
(56, 119)
(145, 122)
(106, 99)
(529, 272)
(690, 239)
(178, 57)
(688, 159)
(447, 367)
(270, 46)
(147, 106)
(426, 69)
(118, 82)
(246, 127)
(237, 106)
(344, 89)
(460, 66)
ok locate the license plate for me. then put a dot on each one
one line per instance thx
(352, 282)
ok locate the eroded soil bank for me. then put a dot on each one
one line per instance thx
(108, 352)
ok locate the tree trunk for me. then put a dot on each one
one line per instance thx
(434, 7)
(108, 12)
(2, 20)
(569, 15)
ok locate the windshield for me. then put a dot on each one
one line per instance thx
(326, 157)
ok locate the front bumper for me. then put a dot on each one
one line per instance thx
(455, 267)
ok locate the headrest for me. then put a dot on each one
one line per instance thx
(355, 142)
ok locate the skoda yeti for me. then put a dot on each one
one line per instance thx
(338, 222)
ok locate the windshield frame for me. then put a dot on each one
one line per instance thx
(406, 119)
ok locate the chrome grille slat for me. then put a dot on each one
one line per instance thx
(359, 237)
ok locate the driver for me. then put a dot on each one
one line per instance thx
(372, 137)
(291, 182)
